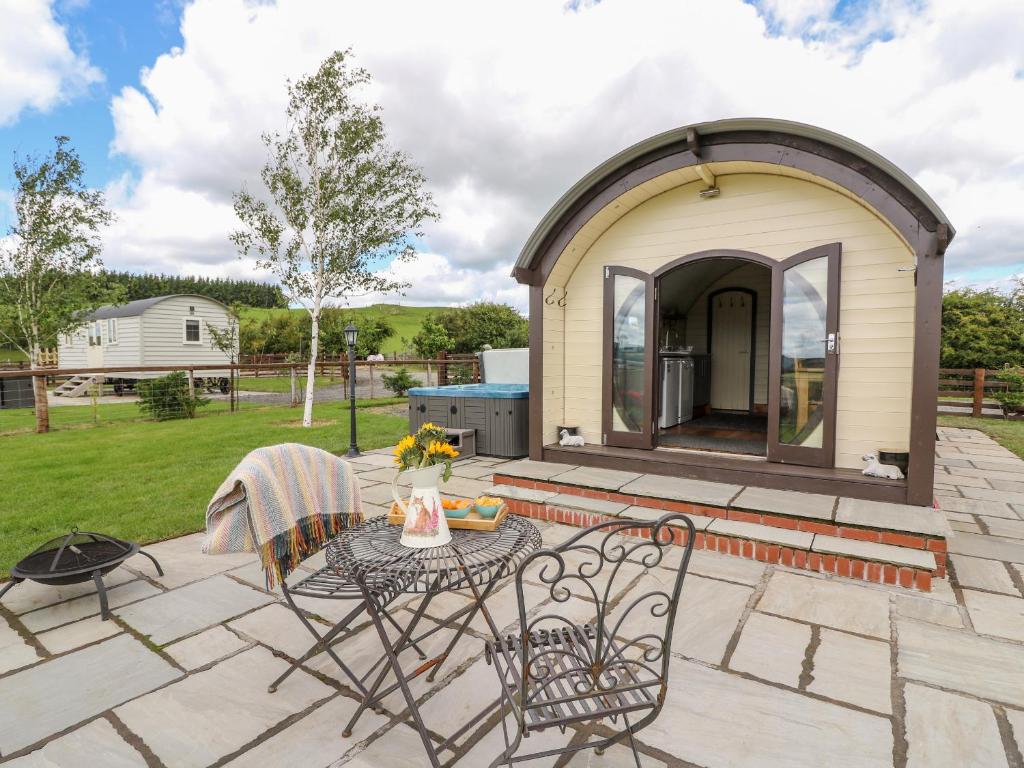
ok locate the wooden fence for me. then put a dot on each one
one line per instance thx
(978, 384)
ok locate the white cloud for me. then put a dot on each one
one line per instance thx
(506, 106)
(38, 68)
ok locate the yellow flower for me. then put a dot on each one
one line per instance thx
(445, 449)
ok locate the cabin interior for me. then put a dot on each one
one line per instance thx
(713, 347)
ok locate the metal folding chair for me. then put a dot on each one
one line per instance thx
(555, 671)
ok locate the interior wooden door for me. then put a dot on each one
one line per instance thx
(629, 358)
(730, 328)
(804, 362)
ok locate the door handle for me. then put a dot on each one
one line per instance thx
(830, 342)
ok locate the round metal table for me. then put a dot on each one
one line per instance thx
(372, 556)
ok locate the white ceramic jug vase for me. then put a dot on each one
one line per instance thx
(425, 523)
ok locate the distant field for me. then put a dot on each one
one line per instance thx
(405, 320)
(12, 355)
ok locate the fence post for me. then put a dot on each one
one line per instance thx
(979, 392)
(442, 368)
(371, 381)
(295, 386)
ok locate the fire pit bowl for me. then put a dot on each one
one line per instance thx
(76, 557)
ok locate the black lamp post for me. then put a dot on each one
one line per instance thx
(351, 333)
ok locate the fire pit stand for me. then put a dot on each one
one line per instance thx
(79, 556)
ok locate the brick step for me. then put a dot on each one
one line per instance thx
(718, 529)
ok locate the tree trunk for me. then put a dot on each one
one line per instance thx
(314, 347)
(39, 391)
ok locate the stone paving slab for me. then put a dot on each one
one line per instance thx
(30, 595)
(98, 740)
(515, 492)
(85, 606)
(976, 573)
(986, 494)
(996, 615)
(64, 691)
(991, 547)
(944, 729)
(649, 513)
(712, 718)
(191, 608)
(315, 740)
(772, 649)
(810, 505)
(975, 507)
(923, 609)
(837, 654)
(830, 602)
(896, 517)
(719, 566)
(1008, 529)
(15, 652)
(593, 477)
(961, 661)
(600, 506)
(206, 647)
(211, 714)
(534, 470)
(765, 533)
(869, 550)
(683, 489)
(707, 618)
(77, 634)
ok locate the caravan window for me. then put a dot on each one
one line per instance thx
(191, 331)
(112, 330)
(95, 333)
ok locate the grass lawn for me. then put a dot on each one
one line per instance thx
(148, 481)
(11, 355)
(282, 384)
(405, 320)
(1009, 434)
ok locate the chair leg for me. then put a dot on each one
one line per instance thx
(632, 742)
(506, 757)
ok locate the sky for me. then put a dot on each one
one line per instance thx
(505, 105)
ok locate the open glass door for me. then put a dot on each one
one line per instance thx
(804, 363)
(628, 408)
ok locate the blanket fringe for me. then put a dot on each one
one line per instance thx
(282, 554)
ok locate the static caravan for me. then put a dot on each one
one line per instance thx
(160, 331)
(751, 301)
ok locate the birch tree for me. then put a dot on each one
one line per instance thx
(340, 202)
(49, 258)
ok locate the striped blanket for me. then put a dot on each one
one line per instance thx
(283, 502)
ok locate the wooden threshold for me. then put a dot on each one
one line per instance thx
(738, 471)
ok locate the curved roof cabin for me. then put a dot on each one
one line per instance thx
(752, 301)
(164, 330)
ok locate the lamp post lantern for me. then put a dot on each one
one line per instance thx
(351, 334)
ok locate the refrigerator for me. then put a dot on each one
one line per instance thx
(676, 391)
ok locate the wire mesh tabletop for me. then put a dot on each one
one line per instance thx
(371, 553)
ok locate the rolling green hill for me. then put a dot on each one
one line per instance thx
(405, 320)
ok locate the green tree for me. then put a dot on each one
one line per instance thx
(983, 329)
(373, 332)
(49, 258)
(344, 203)
(432, 339)
(482, 323)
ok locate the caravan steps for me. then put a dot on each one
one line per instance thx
(77, 386)
(872, 541)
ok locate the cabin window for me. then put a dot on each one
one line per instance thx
(95, 333)
(191, 331)
(112, 330)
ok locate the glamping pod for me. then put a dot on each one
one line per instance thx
(752, 301)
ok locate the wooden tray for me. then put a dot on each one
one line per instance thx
(471, 522)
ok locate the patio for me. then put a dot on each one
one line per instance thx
(773, 665)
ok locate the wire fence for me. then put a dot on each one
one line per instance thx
(85, 397)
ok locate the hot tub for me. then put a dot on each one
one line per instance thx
(499, 413)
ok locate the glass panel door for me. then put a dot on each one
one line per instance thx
(628, 358)
(805, 358)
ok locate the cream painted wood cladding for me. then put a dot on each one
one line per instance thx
(769, 209)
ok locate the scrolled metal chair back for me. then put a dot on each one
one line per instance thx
(604, 629)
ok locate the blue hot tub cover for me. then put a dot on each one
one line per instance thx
(497, 391)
